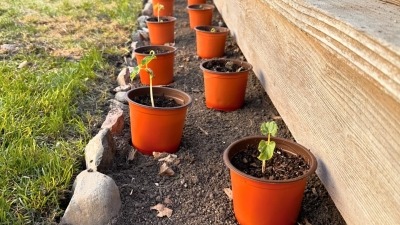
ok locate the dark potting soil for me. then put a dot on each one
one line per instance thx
(281, 166)
(223, 66)
(159, 101)
(155, 19)
(156, 51)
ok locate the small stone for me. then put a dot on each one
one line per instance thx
(142, 21)
(122, 88)
(116, 104)
(114, 121)
(121, 97)
(100, 151)
(123, 77)
(147, 9)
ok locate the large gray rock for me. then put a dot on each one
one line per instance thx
(100, 151)
(96, 200)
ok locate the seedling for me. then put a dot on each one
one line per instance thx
(213, 30)
(266, 148)
(159, 7)
(143, 65)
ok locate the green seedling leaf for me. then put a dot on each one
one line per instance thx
(269, 128)
(266, 150)
(143, 66)
(213, 30)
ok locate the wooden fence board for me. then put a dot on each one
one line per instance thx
(334, 77)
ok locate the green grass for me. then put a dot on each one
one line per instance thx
(42, 135)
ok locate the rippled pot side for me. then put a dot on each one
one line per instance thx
(262, 202)
(157, 129)
(200, 16)
(210, 44)
(162, 66)
(225, 91)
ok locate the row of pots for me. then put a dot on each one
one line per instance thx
(256, 201)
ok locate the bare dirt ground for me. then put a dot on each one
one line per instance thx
(196, 192)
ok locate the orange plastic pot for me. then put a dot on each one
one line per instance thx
(200, 14)
(162, 66)
(194, 2)
(168, 7)
(157, 129)
(225, 91)
(210, 41)
(161, 32)
(262, 202)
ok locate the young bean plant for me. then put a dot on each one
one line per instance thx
(159, 7)
(266, 148)
(143, 65)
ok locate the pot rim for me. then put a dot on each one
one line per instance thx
(160, 89)
(313, 161)
(205, 7)
(170, 19)
(240, 62)
(170, 49)
(205, 28)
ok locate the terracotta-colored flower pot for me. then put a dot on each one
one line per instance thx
(225, 91)
(194, 2)
(210, 41)
(168, 7)
(157, 129)
(162, 65)
(161, 32)
(258, 201)
(200, 14)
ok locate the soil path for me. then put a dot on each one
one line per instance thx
(195, 193)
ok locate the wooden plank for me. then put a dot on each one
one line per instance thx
(395, 2)
(333, 72)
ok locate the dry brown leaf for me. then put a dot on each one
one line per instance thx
(158, 155)
(132, 154)
(165, 170)
(162, 210)
(167, 200)
(228, 192)
(169, 158)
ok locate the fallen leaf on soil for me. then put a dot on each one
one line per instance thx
(167, 200)
(158, 155)
(166, 170)
(169, 158)
(228, 192)
(132, 154)
(162, 210)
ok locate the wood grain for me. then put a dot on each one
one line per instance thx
(335, 80)
(395, 2)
